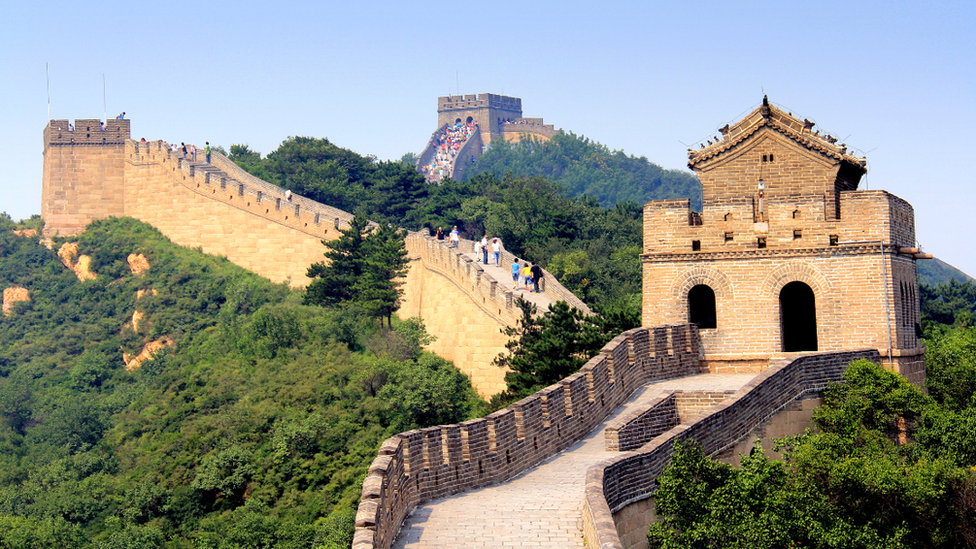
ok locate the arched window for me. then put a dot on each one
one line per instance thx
(701, 307)
(470, 120)
(798, 317)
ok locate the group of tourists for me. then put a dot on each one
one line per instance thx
(190, 151)
(530, 275)
(481, 248)
(448, 143)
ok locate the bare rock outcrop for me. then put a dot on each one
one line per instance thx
(138, 264)
(132, 363)
(12, 295)
(81, 267)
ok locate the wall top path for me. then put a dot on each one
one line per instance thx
(542, 507)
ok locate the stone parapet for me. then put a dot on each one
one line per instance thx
(425, 464)
(629, 478)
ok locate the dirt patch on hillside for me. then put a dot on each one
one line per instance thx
(132, 363)
(81, 267)
(14, 294)
(138, 264)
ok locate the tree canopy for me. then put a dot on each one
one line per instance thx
(254, 429)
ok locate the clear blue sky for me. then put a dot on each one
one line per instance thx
(892, 79)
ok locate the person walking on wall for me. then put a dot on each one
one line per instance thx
(455, 237)
(526, 276)
(496, 248)
(477, 249)
(484, 247)
(516, 268)
(440, 234)
(536, 276)
(193, 152)
(207, 151)
(183, 145)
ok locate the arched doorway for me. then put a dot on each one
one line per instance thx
(701, 307)
(470, 120)
(798, 317)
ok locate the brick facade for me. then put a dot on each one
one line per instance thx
(808, 227)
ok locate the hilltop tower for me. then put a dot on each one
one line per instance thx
(84, 173)
(487, 117)
(787, 255)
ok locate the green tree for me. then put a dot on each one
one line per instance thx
(545, 349)
(363, 267)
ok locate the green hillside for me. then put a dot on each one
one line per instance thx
(935, 271)
(586, 168)
(254, 429)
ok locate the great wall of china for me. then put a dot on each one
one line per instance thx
(856, 250)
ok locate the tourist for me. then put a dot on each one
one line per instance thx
(477, 249)
(288, 195)
(515, 273)
(526, 276)
(183, 145)
(455, 237)
(536, 276)
(193, 152)
(496, 248)
(484, 247)
(440, 234)
(207, 151)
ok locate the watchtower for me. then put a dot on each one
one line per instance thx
(84, 173)
(787, 255)
(487, 110)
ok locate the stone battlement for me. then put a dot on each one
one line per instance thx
(479, 101)
(86, 131)
(626, 480)
(425, 464)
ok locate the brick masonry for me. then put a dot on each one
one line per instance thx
(221, 209)
(618, 488)
(855, 249)
(426, 464)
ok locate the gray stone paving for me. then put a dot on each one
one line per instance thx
(503, 274)
(543, 507)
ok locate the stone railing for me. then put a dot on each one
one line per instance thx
(631, 477)
(425, 464)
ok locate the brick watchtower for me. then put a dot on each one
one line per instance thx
(787, 255)
(487, 110)
(84, 173)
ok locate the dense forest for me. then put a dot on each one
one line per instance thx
(254, 428)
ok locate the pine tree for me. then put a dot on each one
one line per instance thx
(363, 268)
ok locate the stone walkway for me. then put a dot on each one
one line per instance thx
(542, 507)
(503, 274)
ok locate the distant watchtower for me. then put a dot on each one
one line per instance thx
(786, 255)
(487, 110)
(84, 173)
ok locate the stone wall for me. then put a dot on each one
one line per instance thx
(465, 308)
(633, 430)
(83, 173)
(425, 464)
(223, 210)
(251, 223)
(628, 479)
